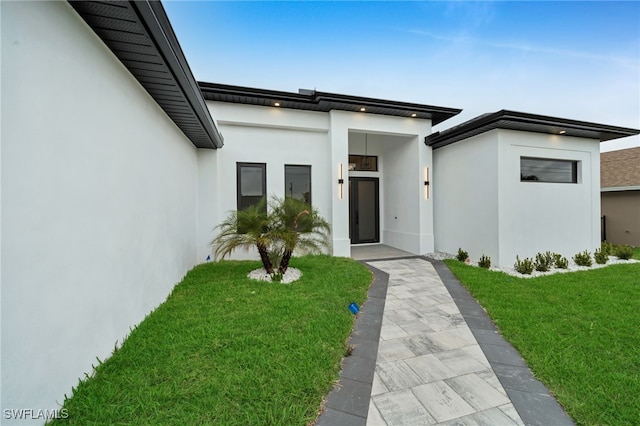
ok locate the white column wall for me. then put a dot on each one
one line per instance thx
(403, 196)
(465, 196)
(210, 183)
(99, 200)
(339, 140)
(539, 216)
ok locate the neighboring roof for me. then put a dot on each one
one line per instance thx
(514, 120)
(312, 100)
(140, 35)
(620, 170)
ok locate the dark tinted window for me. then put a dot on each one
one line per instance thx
(251, 184)
(297, 182)
(548, 170)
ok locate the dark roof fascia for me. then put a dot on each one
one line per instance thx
(324, 101)
(157, 21)
(506, 119)
(152, 20)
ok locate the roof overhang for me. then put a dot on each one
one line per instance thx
(312, 100)
(620, 188)
(140, 35)
(525, 122)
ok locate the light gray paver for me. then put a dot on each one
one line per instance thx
(402, 408)
(430, 368)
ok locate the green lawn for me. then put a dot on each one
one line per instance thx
(579, 333)
(227, 350)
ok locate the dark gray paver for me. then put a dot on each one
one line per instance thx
(331, 417)
(351, 397)
(358, 368)
(537, 409)
(531, 398)
(348, 403)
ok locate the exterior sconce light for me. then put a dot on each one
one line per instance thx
(426, 183)
(340, 181)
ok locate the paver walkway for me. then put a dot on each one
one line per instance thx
(426, 353)
(430, 369)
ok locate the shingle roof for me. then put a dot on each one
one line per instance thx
(619, 169)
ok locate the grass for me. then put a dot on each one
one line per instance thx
(224, 349)
(577, 331)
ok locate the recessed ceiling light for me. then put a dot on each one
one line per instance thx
(562, 132)
(414, 114)
(363, 109)
(276, 104)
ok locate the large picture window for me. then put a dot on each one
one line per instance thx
(297, 182)
(533, 169)
(251, 184)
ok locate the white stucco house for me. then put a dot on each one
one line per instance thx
(116, 166)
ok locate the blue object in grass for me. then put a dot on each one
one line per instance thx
(208, 258)
(354, 308)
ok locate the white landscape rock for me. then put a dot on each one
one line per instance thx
(291, 275)
(511, 270)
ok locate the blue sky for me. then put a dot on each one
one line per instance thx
(578, 60)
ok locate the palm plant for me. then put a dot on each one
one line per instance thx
(290, 225)
(245, 229)
(298, 226)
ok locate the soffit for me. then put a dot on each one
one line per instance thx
(525, 122)
(140, 35)
(312, 100)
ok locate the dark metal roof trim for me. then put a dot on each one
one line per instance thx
(140, 35)
(521, 121)
(312, 100)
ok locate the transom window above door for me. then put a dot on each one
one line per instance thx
(364, 163)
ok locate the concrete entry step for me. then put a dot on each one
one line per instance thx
(377, 251)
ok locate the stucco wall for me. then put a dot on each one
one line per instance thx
(465, 196)
(537, 216)
(481, 205)
(99, 195)
(622, 211)
(273, 136)
(278, 136)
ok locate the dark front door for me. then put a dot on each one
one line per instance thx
(364, 223)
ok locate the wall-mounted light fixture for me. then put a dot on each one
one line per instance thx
(562, 132)
(427, 183)
(340, 181)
